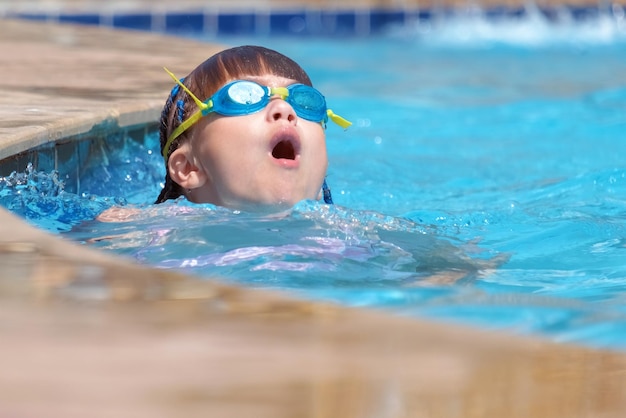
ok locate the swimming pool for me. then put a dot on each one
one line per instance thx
(482, 182)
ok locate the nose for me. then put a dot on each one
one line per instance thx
(278, 109)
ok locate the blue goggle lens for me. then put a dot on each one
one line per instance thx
(307, 102)
(239, 97)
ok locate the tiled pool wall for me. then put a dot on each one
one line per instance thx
(70, 157)
(310, 20)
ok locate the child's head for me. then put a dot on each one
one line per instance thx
(249, 144)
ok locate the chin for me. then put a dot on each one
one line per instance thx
(267, 205)
(280, 204)
(273, 200)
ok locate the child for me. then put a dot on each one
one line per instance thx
(246, 130)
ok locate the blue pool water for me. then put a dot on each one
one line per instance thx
(483, 182)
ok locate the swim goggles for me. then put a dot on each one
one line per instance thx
(243, 97)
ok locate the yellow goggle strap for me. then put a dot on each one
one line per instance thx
(199, 102)
(179, 130)
(344, 123)
(191, 120)
(279, 91)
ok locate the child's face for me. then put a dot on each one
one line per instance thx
(271, 158)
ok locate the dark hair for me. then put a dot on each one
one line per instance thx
(206, 79)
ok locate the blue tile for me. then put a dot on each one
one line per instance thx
(426, 14)
(583, 12)
(503, 12)
(142, 21)
(236, 24)
(345, 23)
(18, 163)
(45, 157)
(325, 23)
(289, 23)
(67, 162)
(184, 22)
(382, 19)
(83, 19)
(549, 14)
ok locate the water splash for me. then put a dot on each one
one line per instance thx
(40, 198)
(529, 26)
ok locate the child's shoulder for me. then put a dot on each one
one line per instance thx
(118, 214)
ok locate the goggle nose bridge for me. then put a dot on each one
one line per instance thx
(282, 92)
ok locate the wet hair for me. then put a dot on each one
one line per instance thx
(206, 79)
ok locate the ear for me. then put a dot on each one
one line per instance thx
(183, 170)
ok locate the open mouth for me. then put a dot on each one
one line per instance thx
(284, 150)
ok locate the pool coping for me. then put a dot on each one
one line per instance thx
(64, 101)
(167, 327)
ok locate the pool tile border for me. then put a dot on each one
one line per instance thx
(302, 22)
(297, 21)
